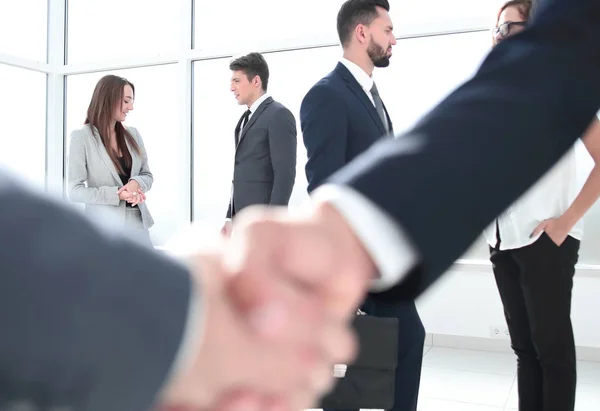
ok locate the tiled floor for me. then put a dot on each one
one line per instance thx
(463, 380)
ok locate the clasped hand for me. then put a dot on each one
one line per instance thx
(132, 193)
(278, 298)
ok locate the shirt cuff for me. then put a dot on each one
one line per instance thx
(391, 251)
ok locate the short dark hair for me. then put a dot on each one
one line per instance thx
(355, 12)
(253, 64)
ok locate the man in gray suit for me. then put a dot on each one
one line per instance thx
(265, 141)
(92, 322)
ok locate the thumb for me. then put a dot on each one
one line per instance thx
(538, 230)
(121, 190)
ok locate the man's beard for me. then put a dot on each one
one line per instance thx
(378, 55)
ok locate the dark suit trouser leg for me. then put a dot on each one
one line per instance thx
(535, 284)
(410, 354)
(411, 339)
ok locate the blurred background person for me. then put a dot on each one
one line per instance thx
(265, 141)
(534, 247)
(342, 116)
(107, 164)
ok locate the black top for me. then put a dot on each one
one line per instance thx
(125, 177)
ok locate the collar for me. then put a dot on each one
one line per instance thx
(258, 102)
(365, 81)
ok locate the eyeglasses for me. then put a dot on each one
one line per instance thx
(504, 29)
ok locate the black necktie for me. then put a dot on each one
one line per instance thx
(241, 124)
(379, 107)
(245, 118)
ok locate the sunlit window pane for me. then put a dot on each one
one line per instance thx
(23, 28)
(23, 125)
(111, 29)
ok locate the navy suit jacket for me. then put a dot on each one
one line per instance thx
(338, 122)
(488, 141)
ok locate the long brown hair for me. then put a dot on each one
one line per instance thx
(108, 95)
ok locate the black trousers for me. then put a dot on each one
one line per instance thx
(410, 349)
(535, 284)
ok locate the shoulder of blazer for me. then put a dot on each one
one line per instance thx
(278, 107)
(83, 134)
(331, 86)
(342, 73)
(134, 133)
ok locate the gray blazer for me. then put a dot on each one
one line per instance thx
(93, 179)
(265, 158)
(64, 287)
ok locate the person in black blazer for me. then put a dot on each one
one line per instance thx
(265, 141)
(341, 117)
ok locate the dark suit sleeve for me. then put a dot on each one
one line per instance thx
(283, 146)
(489, 141)
(89, 322)
(228, 215)
(324, 122)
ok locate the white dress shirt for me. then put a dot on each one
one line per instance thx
(550, 197)
(253, 108)
(365, 81)
(257, 103)
(382, 237)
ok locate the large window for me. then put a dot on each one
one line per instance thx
(155, 116)
(110, 33)
(23, 125)
(23, 26)
(110, 29)
(246, 26)
(424, 70)
(215, 117)
(416, 17)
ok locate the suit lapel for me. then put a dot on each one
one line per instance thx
(253, 119)
(356, 88)
(237, 131)
(105, 157)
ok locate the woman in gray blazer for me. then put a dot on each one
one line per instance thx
(107, 165)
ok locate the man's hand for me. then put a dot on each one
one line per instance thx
(288, 367)
(316, 251)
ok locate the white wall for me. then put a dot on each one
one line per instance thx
(466, 303)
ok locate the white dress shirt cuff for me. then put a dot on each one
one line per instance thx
(382, 237)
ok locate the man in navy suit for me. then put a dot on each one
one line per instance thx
(341, 117)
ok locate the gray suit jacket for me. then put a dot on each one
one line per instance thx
(265, 158)
(90, 321)
(93, 179)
